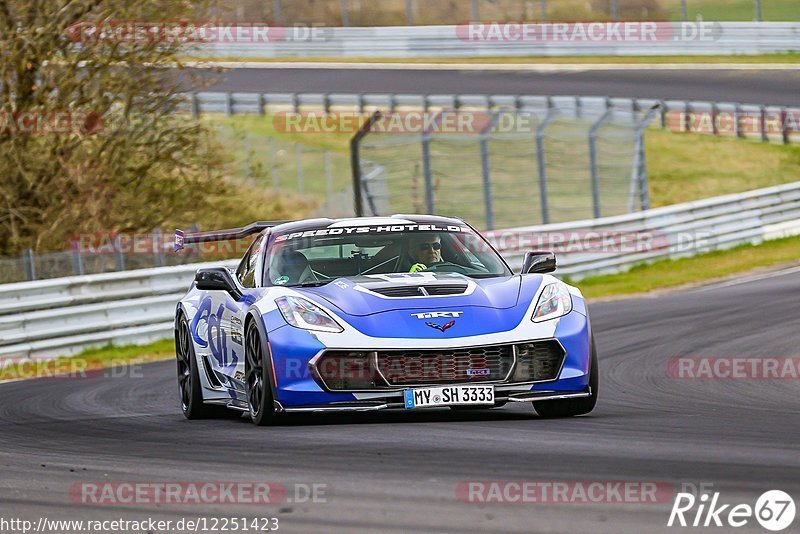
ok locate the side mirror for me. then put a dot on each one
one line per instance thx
(217, 279)
(539, 262)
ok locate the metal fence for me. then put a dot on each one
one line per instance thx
(554, 160)
(726, 119)
(284, 166)
(47, 318)
(497, 161)
(116, 257)
(413, 12)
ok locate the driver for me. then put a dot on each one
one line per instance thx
(424, 250)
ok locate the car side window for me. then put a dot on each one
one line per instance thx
(249, 263)
(241, 270)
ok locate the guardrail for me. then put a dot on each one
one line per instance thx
(767, 123)
(61, 316)
(614, 244)
(64, 315)
(511, 40)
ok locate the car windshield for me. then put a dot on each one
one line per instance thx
(319, 256)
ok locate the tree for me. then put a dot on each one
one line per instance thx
(90, 134)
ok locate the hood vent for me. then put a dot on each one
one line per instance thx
(430, 290)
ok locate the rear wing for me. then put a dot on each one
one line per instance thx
(182, 238)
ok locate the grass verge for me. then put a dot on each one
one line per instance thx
(665, 274)
(91, 362)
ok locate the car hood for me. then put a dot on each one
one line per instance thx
(368, 295)
(487, 306)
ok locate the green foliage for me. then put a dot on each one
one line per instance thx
(91, 137)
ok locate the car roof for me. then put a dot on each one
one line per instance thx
(311, 224)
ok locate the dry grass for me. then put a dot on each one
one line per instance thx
(685, 166)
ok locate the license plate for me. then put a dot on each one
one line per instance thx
(449, 396)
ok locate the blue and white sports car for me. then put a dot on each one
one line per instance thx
(407, 312)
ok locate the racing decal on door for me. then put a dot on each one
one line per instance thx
(208, 324)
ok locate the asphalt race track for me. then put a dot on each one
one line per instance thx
(752, 87)
(399, 471)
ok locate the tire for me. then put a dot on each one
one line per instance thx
(190, 390)
(257, 380)
(571, 407)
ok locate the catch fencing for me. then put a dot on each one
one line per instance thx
(44, 319)
(284, 166)
(540, 159)
(552, 160)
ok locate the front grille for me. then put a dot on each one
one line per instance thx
(477, 364)
(343, 370)
(537, 361)
(355, 370)
(421, 291)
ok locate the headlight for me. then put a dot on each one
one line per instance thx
(555, 301)
(303, 314)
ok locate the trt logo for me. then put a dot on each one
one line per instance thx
(438, 315)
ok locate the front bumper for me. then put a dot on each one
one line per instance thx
(371, 406)
(297, 389)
